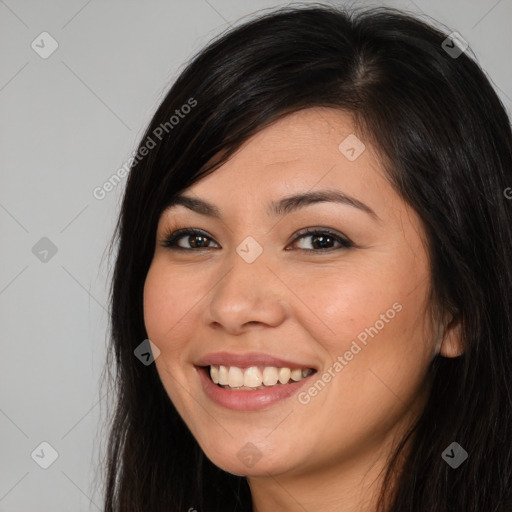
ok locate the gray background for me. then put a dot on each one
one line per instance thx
(68, 123)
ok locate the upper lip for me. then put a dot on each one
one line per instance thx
(248, 359)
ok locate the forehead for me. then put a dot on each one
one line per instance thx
(297, 135)
(298, 152)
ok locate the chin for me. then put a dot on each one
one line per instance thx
(250, 461)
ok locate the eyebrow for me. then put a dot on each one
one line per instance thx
(282, 207)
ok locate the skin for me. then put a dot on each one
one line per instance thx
(305, 305)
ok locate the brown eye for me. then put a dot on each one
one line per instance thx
(323, 239)
(197, 239)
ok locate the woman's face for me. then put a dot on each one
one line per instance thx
(253, 290)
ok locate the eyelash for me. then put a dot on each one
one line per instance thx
(171, 239)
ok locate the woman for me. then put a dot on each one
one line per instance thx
(316, 240)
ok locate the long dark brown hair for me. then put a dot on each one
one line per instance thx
(446, 140)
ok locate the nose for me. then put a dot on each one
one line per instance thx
(248, 294)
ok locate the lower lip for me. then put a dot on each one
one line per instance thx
(248, 400)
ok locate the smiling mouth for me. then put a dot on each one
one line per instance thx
(255, 378)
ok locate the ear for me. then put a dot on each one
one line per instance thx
(451, 342)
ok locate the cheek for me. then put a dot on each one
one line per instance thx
(342, 303)
(374, 318)
(155, 302)
(166, 300)
(379, 358)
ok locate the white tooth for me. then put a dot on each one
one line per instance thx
(235, 377)
(214, 373)
(284, 375)
(269, 375)
(223, 375)
(306, 372)
(253, 377)
(296, 374)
